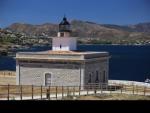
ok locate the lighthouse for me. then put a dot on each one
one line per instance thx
(64, 65)
(64, 41)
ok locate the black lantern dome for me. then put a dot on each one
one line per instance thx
(64, 25)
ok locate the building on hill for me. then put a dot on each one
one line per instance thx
(64, 65)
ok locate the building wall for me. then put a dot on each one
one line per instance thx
(62, 74)
(66, 44)
(34, 74)
(17, 72)
(99, 68)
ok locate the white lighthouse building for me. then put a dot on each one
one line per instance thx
(63, 41)
(64, 65)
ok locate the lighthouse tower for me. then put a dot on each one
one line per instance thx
(63, 41)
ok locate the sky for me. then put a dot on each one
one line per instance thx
(120, 12)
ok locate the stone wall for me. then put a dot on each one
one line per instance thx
(65, 72)
(98, 69)
(34, 74)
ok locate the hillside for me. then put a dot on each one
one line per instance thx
(90, 32)
(80, 29)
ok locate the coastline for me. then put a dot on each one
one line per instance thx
(128, 82)
(34, 46)
(118, 44)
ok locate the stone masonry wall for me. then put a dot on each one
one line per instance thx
(34, 74)
(101, 67)
(63, 73)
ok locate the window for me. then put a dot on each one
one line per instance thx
(62, 34)
(97, 79)
(90, 78)
(104, 76)
(60, 46)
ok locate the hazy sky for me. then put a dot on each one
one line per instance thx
(102, 11)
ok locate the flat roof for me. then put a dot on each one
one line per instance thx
(61, 55)
(64, 52)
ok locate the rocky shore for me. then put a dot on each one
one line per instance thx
(125, 82)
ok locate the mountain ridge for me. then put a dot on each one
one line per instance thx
(141, 27)
(89, 30)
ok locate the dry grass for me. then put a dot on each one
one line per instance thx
(114, 97)
(27, 91)
(7, 77)
(7, 80)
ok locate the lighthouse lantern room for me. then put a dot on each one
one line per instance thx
(63, 41)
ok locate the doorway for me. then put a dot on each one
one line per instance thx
(47, 79)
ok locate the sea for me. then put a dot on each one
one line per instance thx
(127, 62)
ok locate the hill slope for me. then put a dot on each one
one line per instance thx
(89, 30)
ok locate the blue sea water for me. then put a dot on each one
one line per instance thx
(126, 62)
